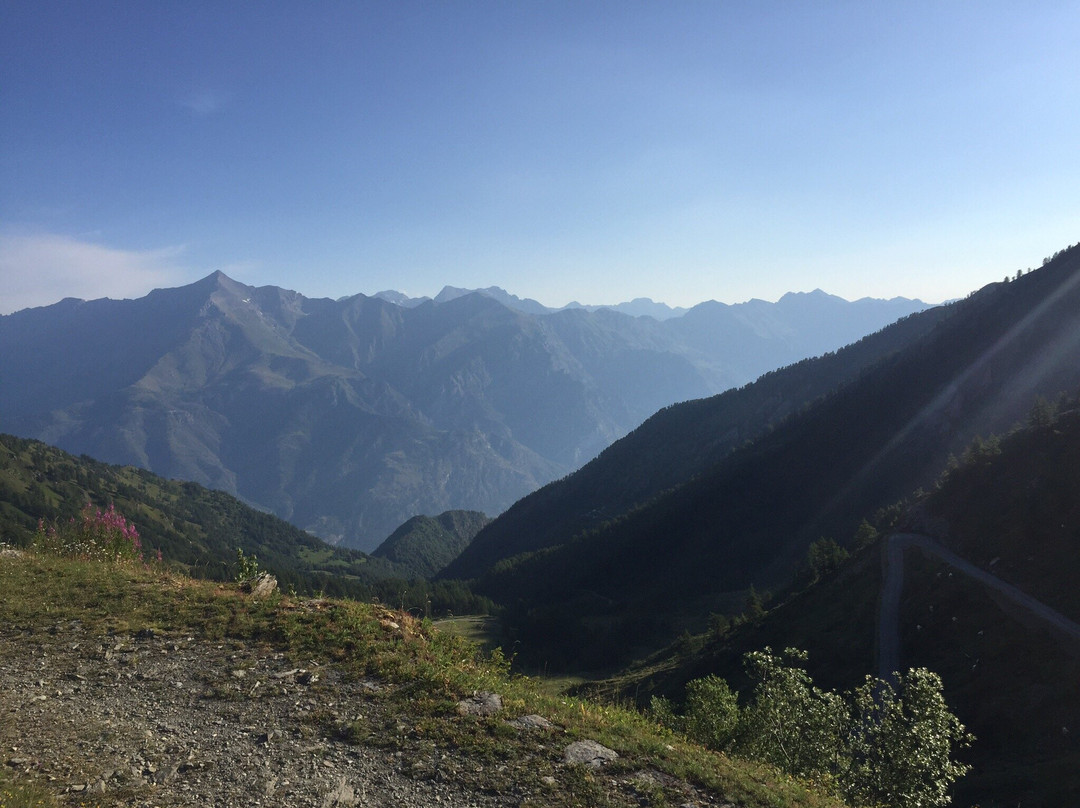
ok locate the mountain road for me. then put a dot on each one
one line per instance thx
(892, 560)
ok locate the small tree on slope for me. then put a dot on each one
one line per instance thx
(878, 745)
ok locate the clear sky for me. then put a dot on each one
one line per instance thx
(589, 151)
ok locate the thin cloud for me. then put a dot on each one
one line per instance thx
(42, 268)
(203, 102)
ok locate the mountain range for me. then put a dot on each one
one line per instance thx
(710, 498)
(700, 519)
(348, 417)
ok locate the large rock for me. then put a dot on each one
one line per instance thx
(531, 722)
(481, 704)
(260, 587)
(589, 753)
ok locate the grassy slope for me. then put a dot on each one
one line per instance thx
(433, 670)
(1017, 510)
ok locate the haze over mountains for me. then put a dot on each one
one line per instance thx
(349, 417)
(710, 497)
(638, 307)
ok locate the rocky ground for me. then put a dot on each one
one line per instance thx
(155, 720)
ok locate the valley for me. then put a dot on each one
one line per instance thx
(907, 500)
(539, 405)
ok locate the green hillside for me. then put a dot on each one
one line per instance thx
(424, 545)
(199, 531)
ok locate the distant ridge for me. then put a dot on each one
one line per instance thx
(638, 307)
(347, 417)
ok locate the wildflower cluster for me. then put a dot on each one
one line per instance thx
(95, 535)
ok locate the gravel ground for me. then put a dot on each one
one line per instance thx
(153, 720)
(165, 721)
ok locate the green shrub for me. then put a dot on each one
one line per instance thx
(790, 723)
(661, 711)
(875, 746)
(712, 712)
(247, 567)
(901, 745)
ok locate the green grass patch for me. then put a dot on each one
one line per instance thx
(23, 793)
(482, 629)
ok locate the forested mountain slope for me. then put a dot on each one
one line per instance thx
(1008, 506)
(424, 545)
(749, 518)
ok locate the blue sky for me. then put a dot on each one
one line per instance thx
(589, 151)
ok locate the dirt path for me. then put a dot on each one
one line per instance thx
(892, 560)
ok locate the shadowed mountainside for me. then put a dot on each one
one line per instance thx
(1008, 507)
(599, 595)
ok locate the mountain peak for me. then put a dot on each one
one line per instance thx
(401, 299)
(817, 294)
(526, 305)
(215, 280)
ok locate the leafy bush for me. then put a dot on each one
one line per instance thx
(878, 745)
(712, 712)
(790, 723)
(661, 711)
(247, 567)
(900, 749)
